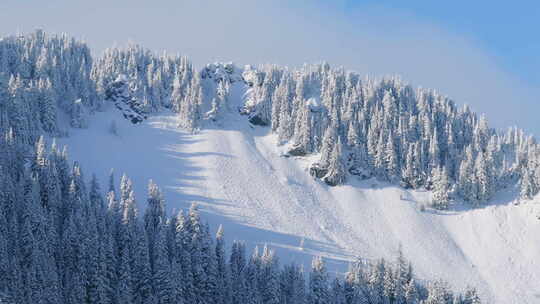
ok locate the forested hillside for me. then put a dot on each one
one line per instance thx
(381, 128)
(62, 241)
(389, 130)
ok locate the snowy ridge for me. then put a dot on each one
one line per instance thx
(356, 131)
(237, 173)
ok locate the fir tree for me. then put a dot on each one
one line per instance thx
(337, 173)
(318, 283)
(441, 189)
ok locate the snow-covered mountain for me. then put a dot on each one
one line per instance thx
(311, 161)
(241, 178)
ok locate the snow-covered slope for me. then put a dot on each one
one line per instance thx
(237, 174)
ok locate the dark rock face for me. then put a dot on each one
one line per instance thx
(118, 92)
(296, 151)
(256, 120)
(316, 170)
(334, 178)
(360, 172)
(331, 181)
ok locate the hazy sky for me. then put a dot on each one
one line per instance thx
(481, 53)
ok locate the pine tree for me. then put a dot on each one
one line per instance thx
(527, 185)
(142, 273)
(74, 277)
(163, 286)
(467, 178)
(185, 286)
(222, 291)
(93, 284)
(178, 94)
(471, 296)
(48, 115)
(411, 293)
(292, 285)
(391, 161)
(40, 160)
(237, 266)
(483, 179)
(337, 173)
(253, 269)
(376, 282)
(209, 267)
(408, 175)
(438, 292)
(329, 141)
(198, 257)
(282, 118)
(441, 187)
(268, 277)
(124, 294)
(154, 218)
(78, 115)
(112, 188)
(337, 294)
(318, 283)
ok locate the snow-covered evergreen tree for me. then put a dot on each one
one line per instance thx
(222, 291)
(441, 189)
(337, 174)
(78, 115)
(318, 283)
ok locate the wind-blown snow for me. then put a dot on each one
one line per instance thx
(236, 173)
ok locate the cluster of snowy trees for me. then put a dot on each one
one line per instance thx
(388, 130)
(167, 82)
(63, 241)
(365, 127)
(39, 75)
(150, 76)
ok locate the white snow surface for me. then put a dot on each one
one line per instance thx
(236, 173)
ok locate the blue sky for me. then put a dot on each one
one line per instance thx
(509, 30)
(481, 53)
